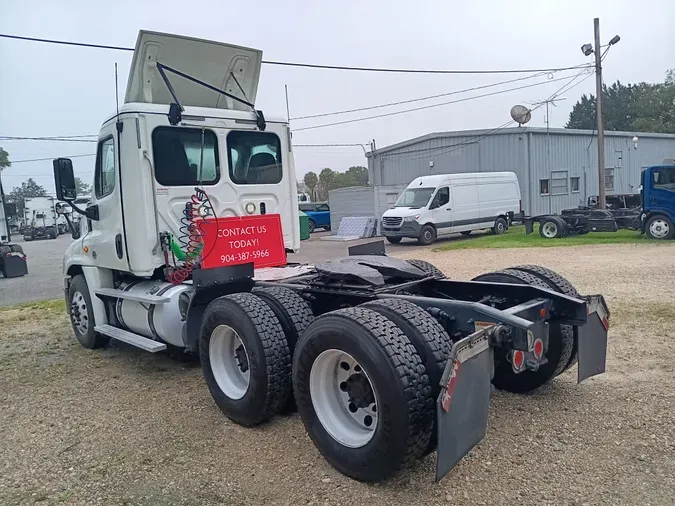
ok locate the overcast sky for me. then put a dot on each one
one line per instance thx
(48, 90)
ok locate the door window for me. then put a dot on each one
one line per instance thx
(664, 178)
(442, 197)
(254, 157)
(104, 179)
(180, 159)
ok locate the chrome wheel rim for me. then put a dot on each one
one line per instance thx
(659, 229)
(229, 362)
(79, 314)
(344, 399)
(549, 229)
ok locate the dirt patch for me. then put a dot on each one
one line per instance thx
(120, 426)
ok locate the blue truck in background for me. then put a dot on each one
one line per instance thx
(655, 217)
(318, 213)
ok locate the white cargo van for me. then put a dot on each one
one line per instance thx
(438, 205)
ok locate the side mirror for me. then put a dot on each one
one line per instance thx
(64, 179)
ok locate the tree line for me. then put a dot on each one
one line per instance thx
(640, 107)
(329, 179)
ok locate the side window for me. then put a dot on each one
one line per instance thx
(104, 178)
(178, 156)
(664, 178)
(443, 196)
(322, 207)
(254, 157)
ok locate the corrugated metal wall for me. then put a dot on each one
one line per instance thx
(352, 201)
(534, 155)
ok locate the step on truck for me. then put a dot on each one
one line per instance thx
(183, 247)
(654, 215)
(12, 258)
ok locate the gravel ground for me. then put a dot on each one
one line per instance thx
(119, 426)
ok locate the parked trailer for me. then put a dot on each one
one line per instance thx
(386, 360)
(41, 219)
(654, 217)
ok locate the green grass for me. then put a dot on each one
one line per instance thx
(45, 305)
(515, 238)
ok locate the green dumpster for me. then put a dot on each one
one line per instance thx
(304, 226)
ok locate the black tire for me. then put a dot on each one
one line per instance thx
(562, 285)
(294, 313)
(267, 354)
(83, 311)
(399, 381)
(552, 228)
(432, 343)
(560, 344)
(427, 267)
(27, 238)
(16, 248)
(427, 235)
(660, 222)
(466, 233)
(312, 225)
(394, 240)
(500, 226)
(4, 250)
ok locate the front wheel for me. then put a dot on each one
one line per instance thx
(427, 235)
(362, 393)
(660, 227)
(82, 314)
(394, 240)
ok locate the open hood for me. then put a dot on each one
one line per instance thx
(211, 62)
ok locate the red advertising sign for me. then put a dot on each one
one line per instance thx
(243, 239)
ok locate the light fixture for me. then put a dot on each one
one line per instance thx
(587, 49)
(635, 141)
(614, 40)
(250, 208)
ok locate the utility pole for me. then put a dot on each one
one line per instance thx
(598, 113)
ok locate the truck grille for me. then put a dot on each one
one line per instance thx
(391, 222)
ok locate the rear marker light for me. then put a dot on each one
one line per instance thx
(538, 350)
(518, 360)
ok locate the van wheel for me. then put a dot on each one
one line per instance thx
(500, 226)
(394, 240)
(427, 235)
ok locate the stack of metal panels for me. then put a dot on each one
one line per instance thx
(354, 227)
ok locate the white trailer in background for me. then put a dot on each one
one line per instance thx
(41, 219)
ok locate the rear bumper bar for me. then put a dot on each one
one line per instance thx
(462, 405)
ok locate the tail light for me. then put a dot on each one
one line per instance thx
(521, 206)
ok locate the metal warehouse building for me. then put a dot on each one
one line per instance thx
(556, 168)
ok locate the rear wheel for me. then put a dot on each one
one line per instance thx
(427, 336)
(82, 314)
(500, 226)
(562, 285)
(660, 227)
(362, 393)
(245, 358)
(427, 267)
(560, 343)
(427, 235)
(551, 228)
(394, 240)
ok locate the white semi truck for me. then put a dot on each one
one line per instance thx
(183, 247)
(41, 219)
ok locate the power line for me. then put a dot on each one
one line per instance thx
(51, 158)
(328, 145)
(313, 65)
(58, 139)
(346, 111)
(429, 106)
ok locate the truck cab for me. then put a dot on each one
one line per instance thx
(657, 185)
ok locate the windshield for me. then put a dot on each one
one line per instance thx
(414, 197)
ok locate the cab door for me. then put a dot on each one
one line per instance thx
(106, 241)
(661, 191)
(441, 209)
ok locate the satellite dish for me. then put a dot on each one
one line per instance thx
(521, 114)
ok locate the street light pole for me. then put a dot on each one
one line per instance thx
(598, 116)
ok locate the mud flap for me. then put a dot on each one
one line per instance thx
(593, 339)
(462, 406)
